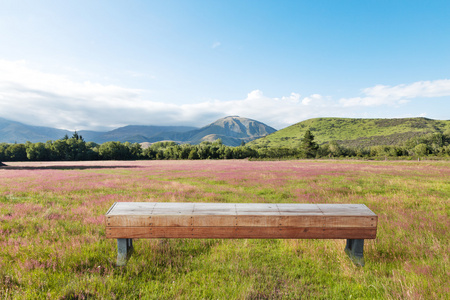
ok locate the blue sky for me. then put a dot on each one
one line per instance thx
(104, 64)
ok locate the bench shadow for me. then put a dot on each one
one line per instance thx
(177, 253)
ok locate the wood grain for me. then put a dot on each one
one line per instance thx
(240, 209)
(240, 220)
(241, 232)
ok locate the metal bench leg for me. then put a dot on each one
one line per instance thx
(124, 251)
(355, 250)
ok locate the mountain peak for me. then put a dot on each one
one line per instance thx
(236, 130)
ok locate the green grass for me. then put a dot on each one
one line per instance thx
(53, 245)
(353, 132)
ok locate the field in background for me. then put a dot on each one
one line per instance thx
(52, 232)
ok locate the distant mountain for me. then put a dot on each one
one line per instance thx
(11, 132)
(134, 133)
(231, 130)
(354, 132)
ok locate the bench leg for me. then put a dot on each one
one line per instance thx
(355, 250)
(124, 251)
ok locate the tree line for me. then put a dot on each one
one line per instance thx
(76, 148)
(427, 145)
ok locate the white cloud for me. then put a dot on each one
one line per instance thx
(293, 98)
(38, 98)
(54, 100)
(399, 94)
(254, 95)
(276, 112)
(313, 99)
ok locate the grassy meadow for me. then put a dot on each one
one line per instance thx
(53, 245)
(354, 132)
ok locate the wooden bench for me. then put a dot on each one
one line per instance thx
(133, 220)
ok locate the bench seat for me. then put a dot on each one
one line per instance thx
(132, 220)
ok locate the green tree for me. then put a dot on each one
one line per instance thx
(149, 153)
(3, 147)
(114, 151)
(76, 136)
(193, 154)
(172, 152)
(37, 151)
(228, 153)
(16, 152)
(59, 148)
(185, 151)
(421, 150)
(334, 150)
(308, 146)
(135, 150)
(92, 151)
(76, 149)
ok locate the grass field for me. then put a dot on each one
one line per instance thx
(52, 232)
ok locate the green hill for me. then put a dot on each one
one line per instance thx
(354, 132)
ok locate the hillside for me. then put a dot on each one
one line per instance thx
(232, 130)
(354, 132)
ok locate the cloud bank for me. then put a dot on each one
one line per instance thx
(34, 97)
(399, 94)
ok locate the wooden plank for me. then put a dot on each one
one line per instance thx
(172, 208)
(350, 221)
(171, 221)
(169, 208)
(215, 209)
(329, 221)
(303, 221)
(111, 208)
(345, 210)
(224, 220)
(259, 221)
(329, 233)
(127, 220)
(241, 232)
(257, 209)
(287, 209)
(214, 221)
(166, 220)
(141, 214)
(131, 208)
